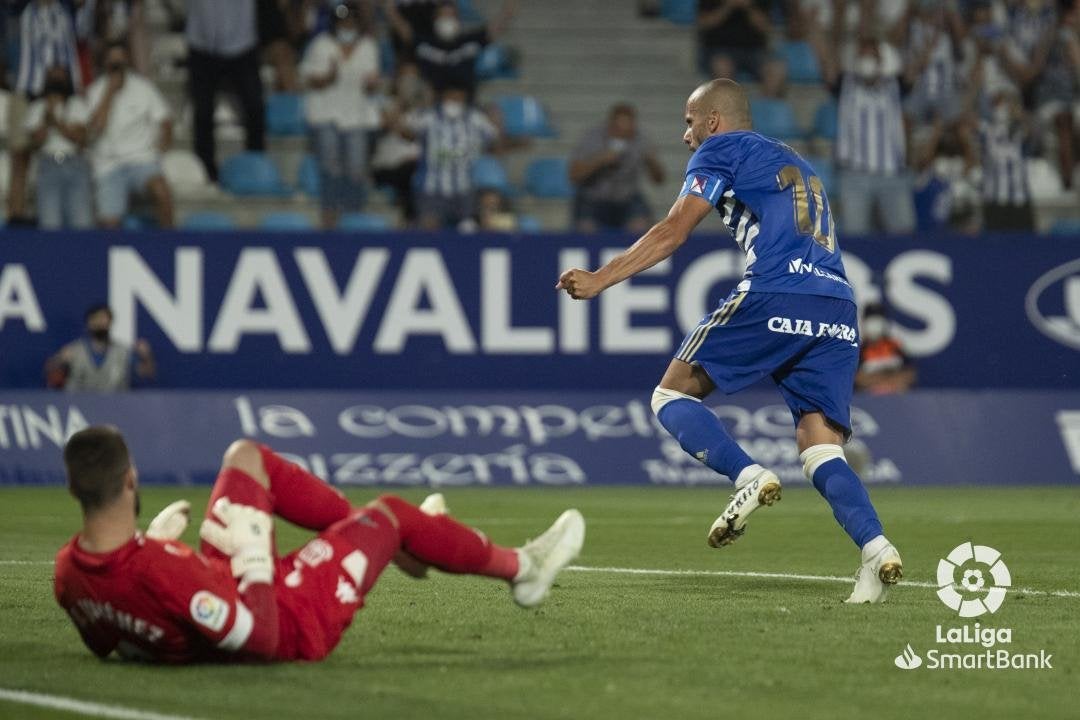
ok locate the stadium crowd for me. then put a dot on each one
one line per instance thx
(937, 109)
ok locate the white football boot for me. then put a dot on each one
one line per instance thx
(542, 559)
(755, 491)
(881, 568)
(434, 504)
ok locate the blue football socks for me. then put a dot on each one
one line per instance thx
(701, 434)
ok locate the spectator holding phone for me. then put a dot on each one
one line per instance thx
(606, 169)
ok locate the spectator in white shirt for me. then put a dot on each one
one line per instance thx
(340, 70)
(46, 37)
(130, 128)
(57, 126)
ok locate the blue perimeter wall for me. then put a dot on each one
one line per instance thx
(410, 311)
(449, 360)
(452, 438)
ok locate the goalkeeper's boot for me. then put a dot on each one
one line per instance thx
(881, 568)
(542, 559)
(434, 504)
(752, 493)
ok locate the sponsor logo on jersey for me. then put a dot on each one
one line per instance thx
(798, 266)
(209, 610)
(796, 326)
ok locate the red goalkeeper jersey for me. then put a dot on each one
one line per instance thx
(161, 600)
(158, 601)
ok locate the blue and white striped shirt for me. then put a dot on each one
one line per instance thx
(938, 79)
(1004, 179)
(47, 38)
(870, 132)
(451, 145)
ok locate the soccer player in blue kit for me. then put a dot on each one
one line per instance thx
(792, 317)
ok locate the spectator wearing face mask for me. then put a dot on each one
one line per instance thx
(870, 148)
(447, 55)
(606, 168)
(130, 128)
(340, 70)
(884, 369)
(97, 363)
(57, 126)
(453, 135)
(1005, 193)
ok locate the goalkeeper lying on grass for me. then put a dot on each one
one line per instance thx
(149, 596)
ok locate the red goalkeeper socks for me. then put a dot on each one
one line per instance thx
(441, 541)
(300, 497)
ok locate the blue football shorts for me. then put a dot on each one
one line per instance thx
(808, 344)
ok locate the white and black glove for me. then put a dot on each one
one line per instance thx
(244, 534)
(170, 523)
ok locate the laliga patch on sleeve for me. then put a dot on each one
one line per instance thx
(209, 610)
(697, 184)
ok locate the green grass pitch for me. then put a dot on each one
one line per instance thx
(608, 644)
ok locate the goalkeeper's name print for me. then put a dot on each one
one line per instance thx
(86, 612)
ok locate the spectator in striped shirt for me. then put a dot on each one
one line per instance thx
(46, 38)
(870, 149)
(1056, 89)
(1005, 193)
(453, 135)
(933, 36)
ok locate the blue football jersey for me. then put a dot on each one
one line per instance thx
(775, 207)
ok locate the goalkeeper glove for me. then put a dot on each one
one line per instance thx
(170, 523)
(244, 534)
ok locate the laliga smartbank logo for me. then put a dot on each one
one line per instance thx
(972, 581)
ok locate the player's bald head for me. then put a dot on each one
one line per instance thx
(724, 97)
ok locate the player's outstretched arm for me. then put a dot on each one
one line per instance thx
(663, 239)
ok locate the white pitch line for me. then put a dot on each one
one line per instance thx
(717, 573)
(784, 576)
(93, 709)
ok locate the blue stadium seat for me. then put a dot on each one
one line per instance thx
(682, 12)
(307, 177)
(825, 120)
(363, 222)
(208, 221)
(489, 174)
(524, 116)
(285, 220)
(1065, 226)
(529, 224)
(775, 118)
(285, 114)
(495, 63)
(253, 174)
(387, 57)
(825, 170)
(548, 178)
(135, 222)
(801, 62)
(468, 12)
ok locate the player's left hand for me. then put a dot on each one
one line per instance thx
(170, 523)
(580, 284)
